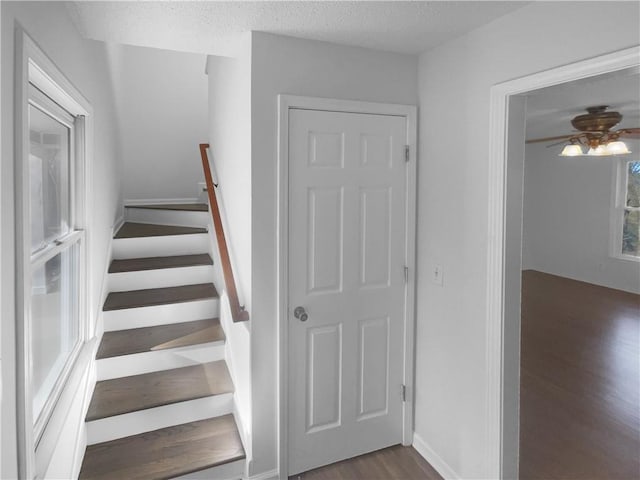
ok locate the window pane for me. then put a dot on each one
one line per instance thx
(633, 185)
(631, 233)
(54, 322)
(48, 177)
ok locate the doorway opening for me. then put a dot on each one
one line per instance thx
(505, 259)
(580, 309)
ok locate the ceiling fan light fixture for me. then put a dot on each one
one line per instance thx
(599, 151)
(571, 150)
(617, 148)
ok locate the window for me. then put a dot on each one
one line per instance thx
(55, 250)
(53, 126)
(626, 237)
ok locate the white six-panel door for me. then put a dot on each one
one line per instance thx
(347, 250)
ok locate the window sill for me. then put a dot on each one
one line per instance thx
(628, 258)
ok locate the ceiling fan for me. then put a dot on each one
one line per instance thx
(594, 130)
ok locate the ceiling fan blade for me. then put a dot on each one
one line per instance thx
(550, 139)
(555, 144)
(630, 132)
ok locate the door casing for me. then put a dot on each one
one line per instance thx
(285, 103)
(504, 257)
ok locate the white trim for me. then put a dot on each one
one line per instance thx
(2, 270)
(226, 471)
(410, 112)
(618, 199)
(435, 460)
(499, 96)
(33, 66)
(270, 475)
(55, 85)
(81, 436)
(117, 225)
(132, 202)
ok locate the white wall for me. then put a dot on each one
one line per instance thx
(229, 137)
(285, 65)
(85, 64)
(162, 113)
(567, 205)
(454, 84)
(230, 156)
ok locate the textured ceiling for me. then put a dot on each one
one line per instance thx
(213, 27)
(550, 110)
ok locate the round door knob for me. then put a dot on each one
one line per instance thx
(300, 314)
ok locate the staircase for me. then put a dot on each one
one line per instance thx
(162, 406)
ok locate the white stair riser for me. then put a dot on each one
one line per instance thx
(133, 423)
(228, 471)
(164, 277)
(167, 217)
(127, 318)
(145, 362)
(162, 246)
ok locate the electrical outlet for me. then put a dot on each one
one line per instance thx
(436, 274)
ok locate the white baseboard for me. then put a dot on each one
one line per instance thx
(270, 475)
(81, 436)
(226, 471)
(434, 459)
(117, 225)
(158, 201)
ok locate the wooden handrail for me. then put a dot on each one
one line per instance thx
(238, 313)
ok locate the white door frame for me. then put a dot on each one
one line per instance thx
(499, 428)
(285, 104)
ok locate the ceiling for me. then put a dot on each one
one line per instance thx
(550, 110)
(213, 27)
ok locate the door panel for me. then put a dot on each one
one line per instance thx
(347, 232)
(373, 378)
(325, 238)
(375, 235)
(324, 384)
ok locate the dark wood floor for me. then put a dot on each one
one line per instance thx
(393, 463)
(157, 263)
(135, 230)
(186, 207)
(580, 381)
(148, 390)
(165, 453)
(159, 296)
(159, 337)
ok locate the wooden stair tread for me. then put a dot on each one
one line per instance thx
(136, 230)
(159, 296)
(160, 337)
(165, 453)
(186, 207)
(156, 263)
(148, 390)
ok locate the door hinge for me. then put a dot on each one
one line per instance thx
(403, 392)
(406, 274)
(406, 153)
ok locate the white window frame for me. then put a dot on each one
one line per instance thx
(37, 442)
(618, 206)
(74, 237)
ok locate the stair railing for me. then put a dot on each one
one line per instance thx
(238, 313)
